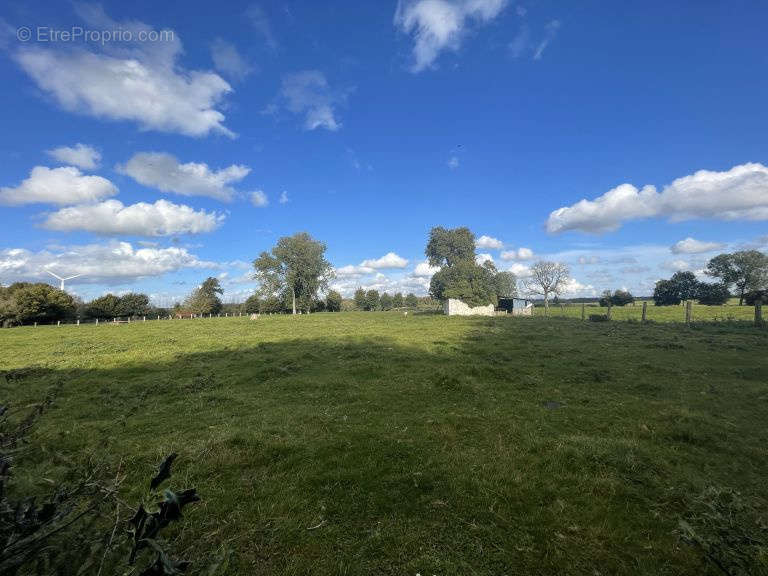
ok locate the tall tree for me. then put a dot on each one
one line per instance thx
(411, 301)
(385, 301)
(747, 270)
(296, 267)
(505, 284)
(397, 300)
(253, 304)
(205, 298)
(372, 300)
(447, 247)
(333, 301)
(686, 284)
(548, 278)
(359, 299)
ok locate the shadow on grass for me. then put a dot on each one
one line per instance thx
(326, 455)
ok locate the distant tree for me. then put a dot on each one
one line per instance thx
(714, 294)
(505, 284)
(622, 298)
(271, 305)
(666, 293)
(466, 281)
(295, 267)
(606, 299)
(385, 302)
(360, 299)
(752, 298)
(397, 300)
(318, 305)
(686, 284)
(23, 302)
(547, 278)
(253, 304)
(411, 301)
(333, 301)
(134, 304)
(447, 247)
(372, 300)
(747, 270)
(107, 306)
(205, 298)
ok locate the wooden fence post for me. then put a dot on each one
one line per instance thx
(759, 313)
(609, 309)
(58, 322)
(583, 311)
(78, 321)
(645, 310)
(35, 324)
(97, 321)
(688, 305)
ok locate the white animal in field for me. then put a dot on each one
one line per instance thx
(405, 313)
(255, 316)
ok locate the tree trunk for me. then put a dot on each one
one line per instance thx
(293, 295)
(546, 304)
(741, 296)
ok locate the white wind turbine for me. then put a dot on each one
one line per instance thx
(61, 286)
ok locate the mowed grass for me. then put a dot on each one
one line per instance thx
(374, 443)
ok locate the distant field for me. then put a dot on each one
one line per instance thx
(419, 444)
(701, 313)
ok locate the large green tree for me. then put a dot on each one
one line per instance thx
(360, 299)
(333, 301)
(747, 270)
(22, 302)
(453, 250)
(205, 298)
(295, 268)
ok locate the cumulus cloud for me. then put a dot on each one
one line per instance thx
(588, 260)
(519, 254)
(228, 60)
(259, 198)
(65, 185)
(424, 270)
(80, 155)
(519, 270)
(483, 257)
(164, 172)
(112, 263)
(308, 93)
(740, 193)
(133, 81)
(692, 246)
(261, 23)
(453, 162)
(284, 197)
(439, 25)
(489, 243)
(389, 260)
(162, 218)
(574, 289)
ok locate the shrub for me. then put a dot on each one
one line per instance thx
(712, 294)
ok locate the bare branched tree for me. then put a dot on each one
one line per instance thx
(547, 278)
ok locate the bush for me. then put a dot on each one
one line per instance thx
(24, 303)
(752, 298)
(253, 304)
(712, 294)
(622, 298)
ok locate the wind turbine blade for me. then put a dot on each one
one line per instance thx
(75, 276)
(54, 275)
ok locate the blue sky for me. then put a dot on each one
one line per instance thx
(627, 141)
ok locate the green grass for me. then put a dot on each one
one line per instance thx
(419, 444)
(700, 313)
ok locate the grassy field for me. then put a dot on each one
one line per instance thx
(419, 444)
(700, 313)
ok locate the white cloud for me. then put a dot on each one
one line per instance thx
(519, 254)
(453, 162)
(550, 31)
(424, 270)
(693, 246)
(162, 218)
(131, 81)
(489, 243)
(575, 289)
(740, 193)
(65, 185)
(589, 260)
(307, 93)
(520, 43)
(352, 271)
(520, 270)
(228, 60)
(164, 172)
(389, 260)
(113, 262)
(259, 198)
(80, 155)
(260, 22)
(676, 265)
(439, 25)
(284, 197)
(483, 257)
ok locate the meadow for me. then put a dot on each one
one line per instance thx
(377, 443)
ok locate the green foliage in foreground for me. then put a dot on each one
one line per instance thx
(378, 443)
